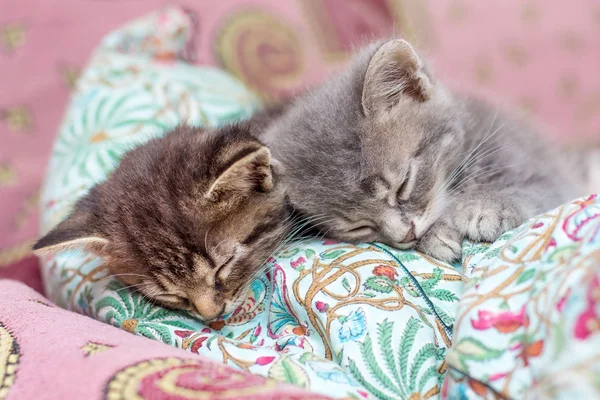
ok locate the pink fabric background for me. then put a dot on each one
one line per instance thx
(63, 355)
(542, 56)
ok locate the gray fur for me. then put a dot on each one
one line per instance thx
(347, 146)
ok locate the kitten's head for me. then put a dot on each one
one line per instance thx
(187, 219)
(368, 153)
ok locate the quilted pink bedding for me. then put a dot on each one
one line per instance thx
(49, 353)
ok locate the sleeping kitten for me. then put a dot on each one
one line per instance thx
(188, 218)
(390, 154)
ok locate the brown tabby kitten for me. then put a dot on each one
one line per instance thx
(188, 218)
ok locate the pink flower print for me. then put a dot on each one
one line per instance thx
(516, 346)
(329, 241)
(563, 300)
(551, 244)
(264, 360)
(445, 388)
(503, 322)
(257, 331)
(589, 321)
(298, 262)
(496, 377)
(255, 334)
(321, 306)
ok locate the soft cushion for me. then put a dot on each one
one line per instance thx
(347, 321)
(528, 324)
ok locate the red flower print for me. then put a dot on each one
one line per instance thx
(329, 241)
(300, 331)
(478, 387)
(503, 322)
(264, 360)
(535, 349)
(322, 307)
(531, 350)
(184, 334)
(197, 344)
(386, 270)
(217, 325)
(165, 57)
(589, 321)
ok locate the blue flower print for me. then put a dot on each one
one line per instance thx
(353, 327)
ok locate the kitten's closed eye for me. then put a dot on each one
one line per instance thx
(402, 193)
(219, 286)
(173, 299)
(224, 269)
(361, 229)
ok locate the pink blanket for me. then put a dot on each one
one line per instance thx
(49, 353)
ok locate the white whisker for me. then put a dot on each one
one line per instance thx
(470, 158)
(125, 274)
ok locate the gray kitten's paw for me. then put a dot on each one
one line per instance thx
(485, 219)
(442, 241)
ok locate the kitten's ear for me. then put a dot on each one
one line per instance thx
(252, 172)
(394, 71)
(76, 232)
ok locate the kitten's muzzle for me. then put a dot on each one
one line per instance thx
(208, 312)
(408, 242)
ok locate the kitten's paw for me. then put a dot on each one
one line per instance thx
(442, 241)
(485, 219)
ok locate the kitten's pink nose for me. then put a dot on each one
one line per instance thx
(410, 235)
(208, 310)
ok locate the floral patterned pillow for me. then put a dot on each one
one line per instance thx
(528, 324)
(347, 321)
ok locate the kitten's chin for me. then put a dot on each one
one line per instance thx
(351, 237)
(403, 246)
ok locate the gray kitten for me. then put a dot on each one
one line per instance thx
(384, 152)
